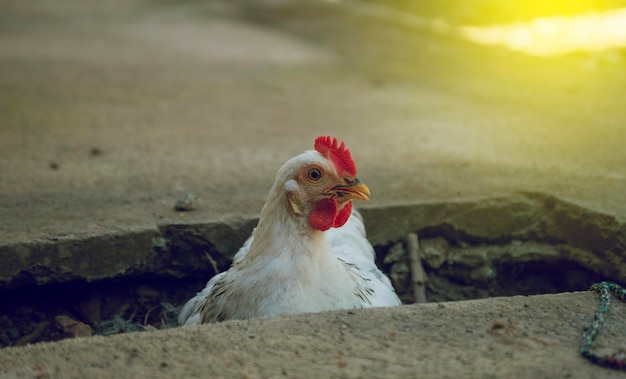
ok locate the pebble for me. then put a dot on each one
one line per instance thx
(186, 204)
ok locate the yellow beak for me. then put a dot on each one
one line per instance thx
(355, 190)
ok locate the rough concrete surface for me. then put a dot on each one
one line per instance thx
(112, 112)
(515, 337)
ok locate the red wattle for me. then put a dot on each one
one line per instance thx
(326, 214)
(343, 215)
(323, 215)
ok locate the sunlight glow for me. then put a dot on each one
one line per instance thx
(556, 35)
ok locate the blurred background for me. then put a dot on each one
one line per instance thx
(532, 27)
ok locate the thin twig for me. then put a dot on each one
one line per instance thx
(34, 335)
(145, 318)
(213, 263)
(418, 275)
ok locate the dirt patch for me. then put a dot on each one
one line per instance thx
(142, 304)
(55, 311)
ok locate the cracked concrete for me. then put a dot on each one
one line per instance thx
(113, 112)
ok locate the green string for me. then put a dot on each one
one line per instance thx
(616, 360)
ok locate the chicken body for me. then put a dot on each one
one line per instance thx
(303, 256)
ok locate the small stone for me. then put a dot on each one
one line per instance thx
(159, 242)
(94, 152)
(186, 204)
(71, 327)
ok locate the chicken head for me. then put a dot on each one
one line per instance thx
(324, 184)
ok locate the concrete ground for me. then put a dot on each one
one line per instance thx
(514, 337)
(111, 112)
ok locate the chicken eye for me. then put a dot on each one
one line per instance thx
(314, 174)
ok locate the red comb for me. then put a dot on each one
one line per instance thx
(338, 154)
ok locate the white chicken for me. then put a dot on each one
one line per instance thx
(308, 252)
